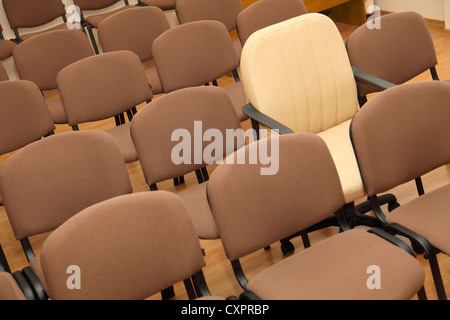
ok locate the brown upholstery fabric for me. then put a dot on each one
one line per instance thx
(30, 35)
(24, 113)
(225, 11)
(264, 13)
(102, 86)
(56, 108)
(397, 52)
(153, 127)
(6, 49)
(94, 5)
(122, 138)
(9, 289)
(3, 74)
(402, 134)
(281, 204)
(336, 269)
(30, 13)
(130, 247)
(153, 79)
(95, 20)
(50, 180)
(41, 58)
(163, 4)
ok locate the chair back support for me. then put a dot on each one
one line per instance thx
(134, 29)
(397, 52)
(94, 4)
(25, 115)
(264, 13)
(305, 190)
(225, 11)
(42, 57)
(31, 13)
(127, 248)
(157, 140)
(50, 180)
(193, 54)
(401, 134)
(103, 86)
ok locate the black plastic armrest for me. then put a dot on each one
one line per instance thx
(371, 79)
(265, 120)
(390, 238)
(248, 295)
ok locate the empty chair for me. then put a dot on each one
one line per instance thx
(225, 11)
(397, 52)
(254, 210)
(24, 14)
(126, 248)
(163, 132)
(308, 86)
(102, 87)
(414, 141)
(135, 30)
(263, 13)
(93, 20)
(41, 58)
(195, 54)
(162, 4)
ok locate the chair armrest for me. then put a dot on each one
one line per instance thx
(390, 238)
(371, 79)
(265, 120)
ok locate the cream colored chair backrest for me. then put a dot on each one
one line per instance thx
(298, 73)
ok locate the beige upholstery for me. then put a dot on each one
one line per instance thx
(117, 264)
(308, 86)
(9, 289)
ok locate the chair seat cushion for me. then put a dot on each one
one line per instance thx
(95, 20)
(122, 137)
(6, 49)
(57, 112)
(199, 211)
(27, 36)
(237, 95)
(338, 141)
(336, 269)
(10, 290)
(153, 79)
(427, 215)
(162, 4)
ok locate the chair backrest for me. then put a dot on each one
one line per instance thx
(264, 13)
(193, 54)
(190, 113)
(25, 115)
(134, 29)
(225, 11)
(397, 52)
(402, 134)
(163, 4)
(50, 180)
(253, 210)
(103, 86)
(42, 57)
(31, 13)
(126, 248)
(298, 73)
(94, 4)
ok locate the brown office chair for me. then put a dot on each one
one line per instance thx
(23, 14)
(26, 119)
(264, 13)
(41, 58)
(135, 30)
(254, 210)
(126, 248)
(397, 52)
(413, 141)
(195, 54)
(225, 11)
(155, 132)
(6, 46)
(102, 87)
(92, 21)
(162, 4)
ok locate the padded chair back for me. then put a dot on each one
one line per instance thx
(280, 206)
(402, 133)
(25, 115)
(94, 4)
(50, 180)
(193, 54)
(309, 84)
(103, 86)
(156, 140)
(116, 264)
(42, 57)
(225, 11)
(134, 29)
(264, 13)
(31, 13)
(397, 52)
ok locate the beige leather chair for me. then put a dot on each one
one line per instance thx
(308, 86)
(413, 141)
